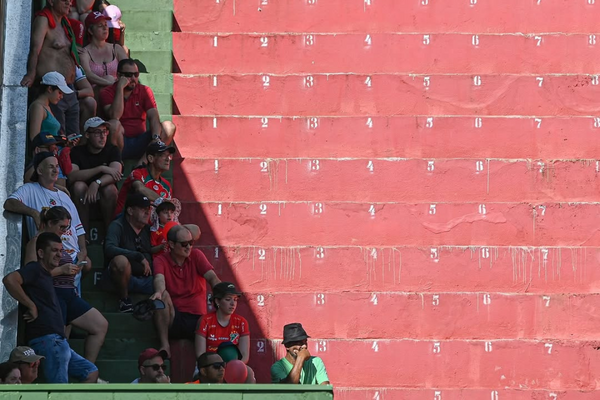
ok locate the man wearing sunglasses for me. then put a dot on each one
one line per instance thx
(211, 368)
(96, 168)
(151, 364)
(129, 104)
(180, 278)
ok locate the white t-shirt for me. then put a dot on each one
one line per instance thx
(37, 197)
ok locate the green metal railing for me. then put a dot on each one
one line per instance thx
(165, 392)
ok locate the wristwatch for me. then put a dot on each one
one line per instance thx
(99, 182)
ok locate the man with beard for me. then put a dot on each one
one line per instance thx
(151, 364)
(130, 103)
(96, 168)
(147, 179)
(298, 366)
(128, 249)
(33, 288)
(53, 48)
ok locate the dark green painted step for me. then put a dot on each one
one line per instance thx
(137, 5)
(164, 102)
(125, 326)
(159, 82)
(155, 20)
(150, 41)
(107, 301)
(153, 62)
(118, 371)
(117, 349)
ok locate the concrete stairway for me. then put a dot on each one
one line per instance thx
(148, 36)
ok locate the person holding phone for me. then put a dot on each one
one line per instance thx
(75, 311)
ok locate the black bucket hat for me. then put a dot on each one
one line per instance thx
(294, 333)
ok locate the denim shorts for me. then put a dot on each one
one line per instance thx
(135, 147)
(71, 305)
(138, 284)
(61, 361)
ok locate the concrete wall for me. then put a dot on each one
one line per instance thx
(14, 45)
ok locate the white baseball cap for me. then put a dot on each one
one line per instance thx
(94, 122)
(56, 79)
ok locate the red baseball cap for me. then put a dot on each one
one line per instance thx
(94, 18)
(150, 353)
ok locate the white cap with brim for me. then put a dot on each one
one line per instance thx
(114, 13)
(94, 122)
(56, 79)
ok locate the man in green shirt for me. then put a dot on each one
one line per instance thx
(298, 366)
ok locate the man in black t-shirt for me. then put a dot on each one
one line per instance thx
(128, 249)
(97, 168)
(33, 288)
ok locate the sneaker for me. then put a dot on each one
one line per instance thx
(125, 305)
(102, 381)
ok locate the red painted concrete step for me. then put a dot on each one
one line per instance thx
(371, 53)
(385, 180)
(388, 393)
(425, 316)
(545, 271)
(379, 137)
(425, 16)
(366, 95)
(506, 365)
(391, 224)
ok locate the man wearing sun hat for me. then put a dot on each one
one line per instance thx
(298, 366)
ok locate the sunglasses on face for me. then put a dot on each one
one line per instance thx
(217, 365)
(63, 228)
(186, 243)
(130, 74)
(156, 367)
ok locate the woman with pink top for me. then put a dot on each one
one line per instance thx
(99, 58)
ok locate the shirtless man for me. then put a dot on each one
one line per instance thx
(51, 51)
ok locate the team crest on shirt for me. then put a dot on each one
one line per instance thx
(233, 337)
(52, 202)
(155, 187)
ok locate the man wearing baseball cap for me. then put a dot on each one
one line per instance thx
(27, 361)
(31, 198)
(298, 366)
(128, 249)
(133, 105)
(151, 364)
(96, 169)
(45, 141)
(147, 178)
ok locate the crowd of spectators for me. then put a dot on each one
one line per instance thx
(88, 113)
